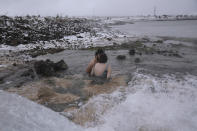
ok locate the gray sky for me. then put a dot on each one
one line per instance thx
(97, 7)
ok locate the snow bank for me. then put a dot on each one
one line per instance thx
(20, 114)
(153, 104)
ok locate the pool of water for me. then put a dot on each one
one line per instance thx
(187, 28)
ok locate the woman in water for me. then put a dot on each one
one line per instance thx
(101, 69)
(94, 60)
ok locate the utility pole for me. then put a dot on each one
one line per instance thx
(155, 10)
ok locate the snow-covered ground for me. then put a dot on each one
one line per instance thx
(83, 40)
(19, 114)
(149, 104)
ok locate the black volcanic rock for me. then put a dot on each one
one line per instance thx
(31, 29)
(48, 68)
(61, 65)
(121, 57)
(132, 52)
(44, 68)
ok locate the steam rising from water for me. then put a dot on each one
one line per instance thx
(147, 104)
(152, 104)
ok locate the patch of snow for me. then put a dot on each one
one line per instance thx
(3, 66)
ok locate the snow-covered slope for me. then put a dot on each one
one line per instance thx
(20, 114)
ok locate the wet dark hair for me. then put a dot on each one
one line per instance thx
(102, 58)
(99, 51)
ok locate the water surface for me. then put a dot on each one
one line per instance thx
(186, 28)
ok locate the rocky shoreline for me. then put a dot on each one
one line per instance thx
(50, 83)
(32, 29)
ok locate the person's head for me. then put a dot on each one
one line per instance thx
(102, 58)
(98, 52)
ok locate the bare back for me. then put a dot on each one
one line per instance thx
(101, 70)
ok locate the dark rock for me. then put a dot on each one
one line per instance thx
(177, 55)
(109, 39)
(121, 57)
(132, 52)
(115, 44)
(159, 41)
(27, 73)
(14, 64)
(1, 81)
(79, 36)
(137, 60)
(49, 68)
(44, 68)
(61, 65)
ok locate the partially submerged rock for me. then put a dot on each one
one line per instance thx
(60, 65)
(48, 68)
(132, 52)
(159, 41)
(137, 60)
(44, 68)
(121, 57)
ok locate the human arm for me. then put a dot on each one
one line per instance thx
(91, 65)
(92, 71)
(109, 72)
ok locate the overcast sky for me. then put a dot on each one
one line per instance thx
(97, 7)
